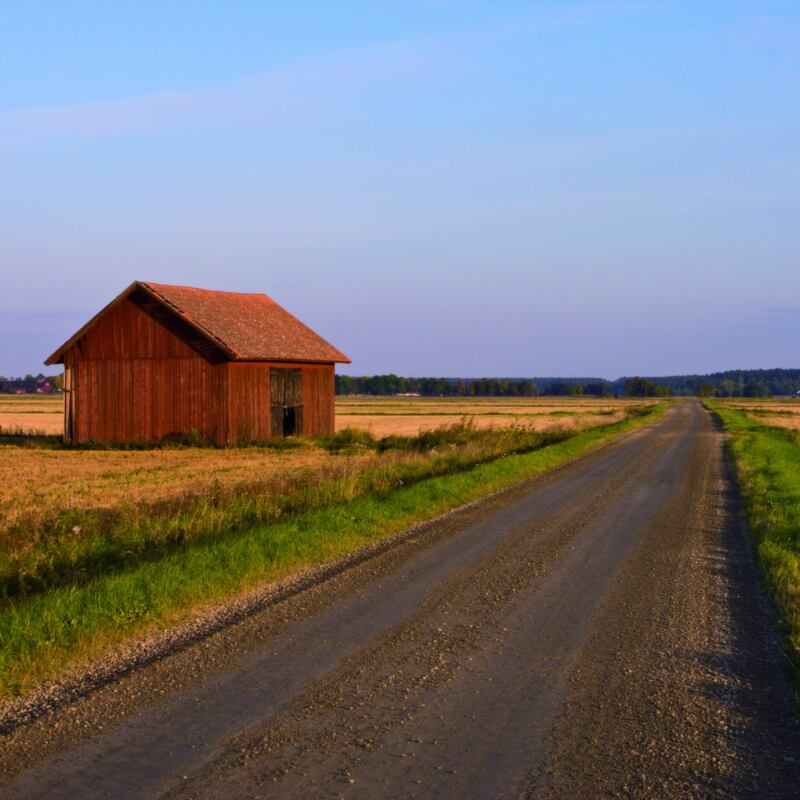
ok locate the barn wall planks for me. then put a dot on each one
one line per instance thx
(318, 398)
(250, 399)
(128, 332)
(134, 380)
(141, 400)
(248, 417)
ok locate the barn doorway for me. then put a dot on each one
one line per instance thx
(286, 401)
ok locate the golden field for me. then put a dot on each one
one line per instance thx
(37, 481)
(34, 480)
(408, 416)
(30, 413)
(780, 412)
(382, 416)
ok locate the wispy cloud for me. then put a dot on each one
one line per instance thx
(299, 94)
(294, 95)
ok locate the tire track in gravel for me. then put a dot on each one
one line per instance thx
(714, 716)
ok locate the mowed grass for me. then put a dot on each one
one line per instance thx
(105, 597)
(767, 464)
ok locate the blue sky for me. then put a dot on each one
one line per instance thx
(448, 188)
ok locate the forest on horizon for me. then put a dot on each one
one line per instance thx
(732, 383)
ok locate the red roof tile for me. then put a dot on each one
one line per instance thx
(251, 326)
(246, 327)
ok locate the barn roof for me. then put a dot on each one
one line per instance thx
(243, 327)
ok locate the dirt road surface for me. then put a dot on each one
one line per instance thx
(601, 632)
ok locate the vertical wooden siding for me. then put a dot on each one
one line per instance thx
(250, 399)
(141, 400)
(318, 398)
(135, 381)
(128, 332)
(248, 417)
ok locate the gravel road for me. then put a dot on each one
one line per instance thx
(600, 632)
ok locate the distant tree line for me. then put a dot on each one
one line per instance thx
(436, 387)
(734, 383)
(31, 384)
(472, 387)
(644, 387)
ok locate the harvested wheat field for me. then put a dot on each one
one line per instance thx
(41, 481)
(790, 421)
(36, 483)
(408, 416)
(778, 412)
(32, 414)
(383, 416)
(410, 425)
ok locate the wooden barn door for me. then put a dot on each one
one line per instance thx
(276, 394)
(286, 401)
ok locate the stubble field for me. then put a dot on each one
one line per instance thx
(780, 412)
(31, 414)
(383, 416)
(38, 482)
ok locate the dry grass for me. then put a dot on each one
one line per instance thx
(68, 514)
(38, 481)
(762, 404)
(383, 416)
(790, 421)
(408, 416)
(482, 405)
(410, 425)
(32, 414)
(28, 424)
(780, 412)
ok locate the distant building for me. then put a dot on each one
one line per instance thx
(161, 360)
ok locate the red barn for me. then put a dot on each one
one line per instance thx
(161, 360)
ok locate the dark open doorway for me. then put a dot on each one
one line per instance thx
(286, 401)
(289, 421)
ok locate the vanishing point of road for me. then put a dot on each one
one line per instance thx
(599, 632)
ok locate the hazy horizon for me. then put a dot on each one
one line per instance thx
(596, 188)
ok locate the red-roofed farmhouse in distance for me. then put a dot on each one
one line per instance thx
(165, 360)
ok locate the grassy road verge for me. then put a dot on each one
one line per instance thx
(766, 460)
(45, 633)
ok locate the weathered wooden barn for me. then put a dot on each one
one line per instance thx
(162, 360)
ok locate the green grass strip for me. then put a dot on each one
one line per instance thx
(41, 636)
(766, 460)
